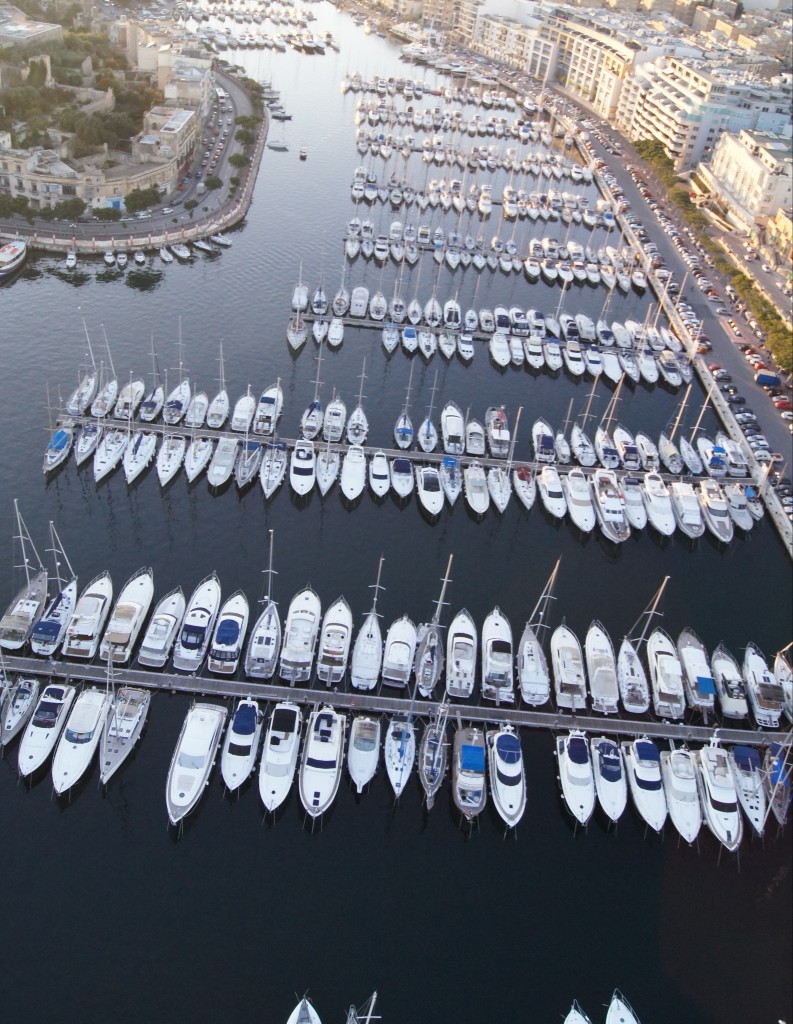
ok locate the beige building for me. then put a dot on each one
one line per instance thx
(16, 29)
(168, 134)
(752, 174)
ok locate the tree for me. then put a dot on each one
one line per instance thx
(245, 137)
(239, 160)
(213, 181)
(108, 213)
(142, 199)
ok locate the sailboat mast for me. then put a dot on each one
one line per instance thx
(648, 613)
(270, 570)
(702, 410)
(109, 357)
(439, 607)
(680, 412)
(538, 611)
(515, 438)
(88, 342)
(57, 549)
(377, 588)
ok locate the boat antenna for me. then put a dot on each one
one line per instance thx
(648, 614)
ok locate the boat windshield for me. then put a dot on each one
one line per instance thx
(194, 761)
(46, 714)
(648, 784)
(316, 762)
(239, 749)
(192, 637)
(78, 737)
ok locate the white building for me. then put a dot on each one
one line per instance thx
(752, 174)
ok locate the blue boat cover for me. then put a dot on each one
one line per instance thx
(779, 771)
(750, 492)
(450, 462)
(473, 758)
(705, 684)
(59, 440)
(647, 751)
(228, 631)
(746, 757)
(546, 441)
(403, 466)
(577, 750)
(46, 629)
(508, 747)
(245, 720)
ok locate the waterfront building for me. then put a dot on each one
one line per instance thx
(751, 172)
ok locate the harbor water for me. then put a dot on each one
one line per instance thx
(107, 914)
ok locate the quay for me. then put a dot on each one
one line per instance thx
(382, 703)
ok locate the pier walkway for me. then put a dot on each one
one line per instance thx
(379, 702)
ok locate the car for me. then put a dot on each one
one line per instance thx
(783, 404)
(167, 209)
(704, 346)
(735, 399)
(722, 376)
(766, 268)
(787, 415)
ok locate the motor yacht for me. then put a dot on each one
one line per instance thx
(497, 681)
(718, 796)
(461, 652)
(301, 630)
(402, 477)
(302, 468)
(80, 739)
(469, 789)
(321, 763)
(679, 775)
(224, 458)
(353, 472)
(477, 494)
(497, 431)
(602, 670)
(747, 774)
(160, 635)
(474, 438)
(197, 625)
(715, 510)
(363, 750)
(609, 506)
(268, 410)
(429, 489)
(279, 754)
(228, 638)
(507, 774)
(658, 503)
(686, 508)
(126, 718)
(766, 696)
(666, 676)
(241, 744)
(44, 728)
(643, 768)
(609, 772)
(128, 617)
(379, 475)
(632, 680)
(334, 643)
(398, 653)
(576, 777)
(453, 429)
(578, 500)
(699, 686)
(193, 759)
(729, 684)
(242, 414)
(568, 669)
(90, 614)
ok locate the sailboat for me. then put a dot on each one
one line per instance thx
(107, 390)
(312, 419)
(429, 660)
(403, 430)
(28, 605)
(427, 434)
(49, 631)
(219, 407)
(127, 712)
(261, 657)
(434, 754)
(534, 678)
(358, 424)
(153, 401)
(367, 653)
(179, 397)
(83, 395)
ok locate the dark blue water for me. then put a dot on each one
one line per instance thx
(107, 916)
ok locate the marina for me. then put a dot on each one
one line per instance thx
(388, 879)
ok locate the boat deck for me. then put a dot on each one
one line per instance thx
(384, 703)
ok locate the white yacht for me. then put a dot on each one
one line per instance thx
(80, 739)
(747, 775)
(534, 679)
(524, 483)
(679, 774)
(575, 774)
(549, 486)
(197, 625)
(353, 472)
(632, 680)
(666, 676)
(109, 452)
(729, 684)
(129, 708)
(469, 789)
(698, 683)
(176, 403)
(398, 653)
(632, 494)
(18, 702)
(334, 643)
(461, 652)
(171, 456)
(273, 468)
(243, 411)
(300, 637)
(90, 614)
(609, 771)
(715, 510)
(602, 670)
(718, 796)
(225, 650)
(658, 503)
(765, 694)
(268, 410)
(304, 1013)
(198, 456)
(363, 750)
(129, 399)
(129, 614)
(609, 506)
(686, 509)
(643, 767)
(497, 674)
(474, 438)
(49, 631)
(619, 1011)
(197, 410)
(429, 489)
(453, 429)
(241, 744)
(44, 728)
(159, 638)
(223, 460)
(279, 754)
(302, 468)
(568, 669)
(476, 491)
(321, 763)
(138, 454)
(193, 758)
(379, 475)
(578, 498)
(399, 752)
(507, 774)
(334, 421)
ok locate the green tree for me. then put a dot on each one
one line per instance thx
(108, 213)
(142, 199)
(239, 160)
(38, 74)
(245, 137)
(213, 181)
